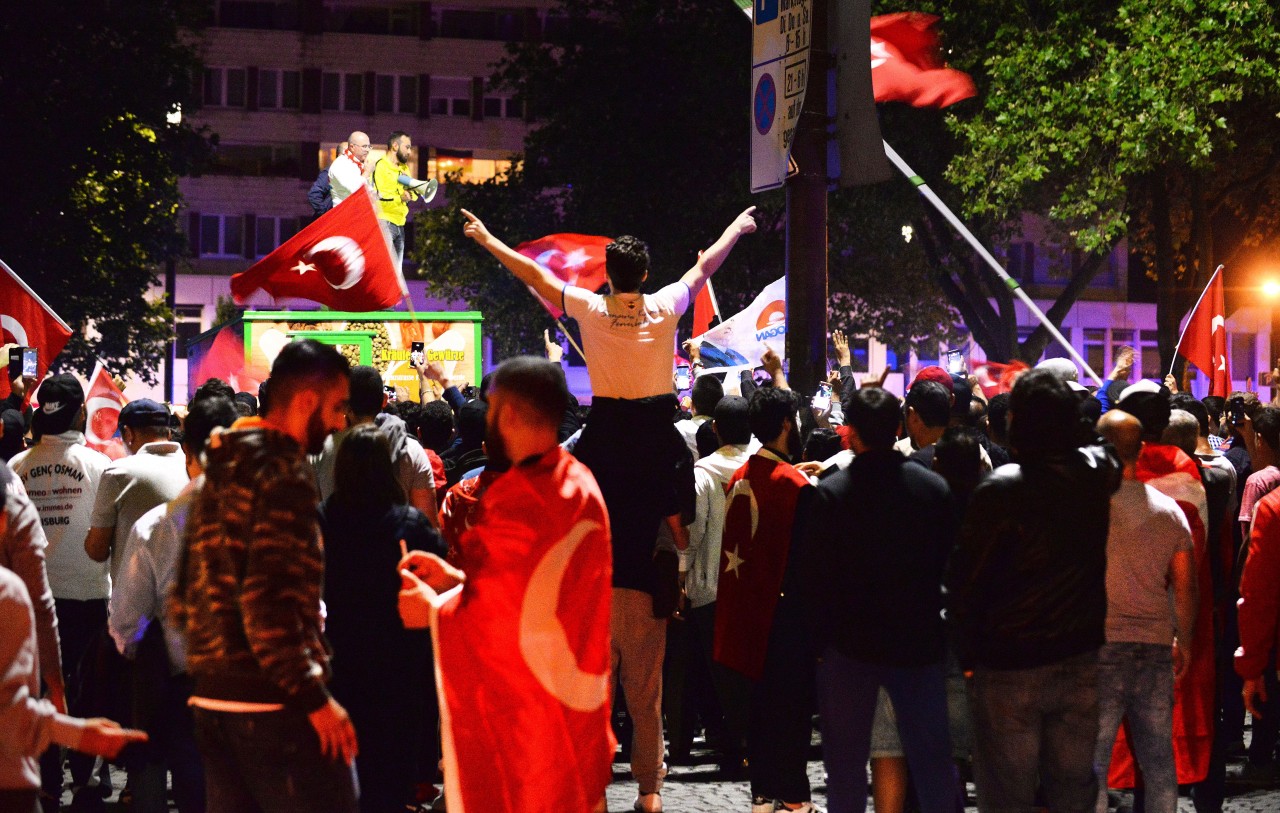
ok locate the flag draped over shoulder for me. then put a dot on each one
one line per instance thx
(27, 321)
(1170, 471)
(907, 64)
(522, 648)
(1204, 340)
(342, 261)
(102, 407)
(577, 259)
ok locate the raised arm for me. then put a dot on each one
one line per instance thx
(711, 259)
(543, 282)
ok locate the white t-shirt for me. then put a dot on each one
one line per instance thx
(629, 339)
(134, 485)
(61, 476)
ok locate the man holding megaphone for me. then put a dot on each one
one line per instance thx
(396, 188)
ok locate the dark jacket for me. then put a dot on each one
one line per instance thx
(875, 549)
(247, 594)
(1027, 583)
(320, 195)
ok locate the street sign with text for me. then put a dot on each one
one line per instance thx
(779, 75)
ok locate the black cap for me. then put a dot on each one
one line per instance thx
(144, 412)
(61, 397)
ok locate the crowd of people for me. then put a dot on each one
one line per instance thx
(1033, 589)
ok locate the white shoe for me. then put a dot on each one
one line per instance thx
(759, 804)
(648, 803)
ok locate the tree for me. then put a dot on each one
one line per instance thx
(642, 128)
(1141, 118)
(92, 166)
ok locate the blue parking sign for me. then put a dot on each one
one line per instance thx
(766, 11)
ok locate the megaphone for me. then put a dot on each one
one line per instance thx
(425, 189)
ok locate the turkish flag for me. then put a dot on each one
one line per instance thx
(522, 648)
(102, 405)
(341, 261)
(578, 259)
(25, 320)
(705, 312)
(907, 64)
(1204, 339)
(225, 359)
(760, 512)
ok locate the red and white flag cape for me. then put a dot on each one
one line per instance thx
(907, 64)
(102, 407)
(342, 261)
(1204, 339)
(522, 648)
(27, 321)
(578, 259)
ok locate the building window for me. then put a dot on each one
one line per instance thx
(271, 232)
(224, 87)
(221, 235)
(331, 91)
(439, 107)
(258, 160)
(397, 94)
(279, 90)
(353, 92)
(492, 107)
(1149, 356)
(1095, 348)
(513, 109)
(460, 107)
(187, 326)
(469, 25)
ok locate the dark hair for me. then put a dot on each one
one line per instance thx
(1090, 408)
(958, 458)
(304, 364)
(14, 431)
(1044, 415)
(435, 425)
(1188, 403)
(998, 417)
(1215, 404)
(626, 261)
(203, 416)
(366, 391)
(932, 403)
(249, 401)
(821, 444)
(1267, 424)
(706, 393)
(263, 390)
(536, 383)
(395, 136)
(364, 478)
(873, 413)
(733, 424)
(213, 386)
(768, 410)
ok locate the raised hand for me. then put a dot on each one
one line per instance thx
(841, 344)
(745, 223)
(475, 229)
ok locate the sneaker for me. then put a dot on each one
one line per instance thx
(648, 803)
(759, 804)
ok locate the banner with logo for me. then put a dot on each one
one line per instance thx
(741, 340)
(779, 75)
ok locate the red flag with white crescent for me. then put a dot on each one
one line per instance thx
(342, 261)
(522, 648)
(907, 64)
(1204, 339)
(102, 405)
(27, 321)
(578, 259)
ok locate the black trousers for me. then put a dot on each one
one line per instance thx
(780, 722)
(82, 627)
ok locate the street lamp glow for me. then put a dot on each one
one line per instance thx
(1271, 289)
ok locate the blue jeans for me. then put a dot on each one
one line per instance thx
(395, 235)
(1036, 727)
(847, 692)
(270, 762)
(1135, 682)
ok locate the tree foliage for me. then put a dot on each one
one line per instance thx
(642, 117)
(1148, 119)
(92, 167)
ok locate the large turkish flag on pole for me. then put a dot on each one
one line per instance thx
(27, 321)
(342, 261)
(1204, 339)
(578, 259)
(522, 648)
(907, 64)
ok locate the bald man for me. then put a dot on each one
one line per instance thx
(349, 171)
(1149, 552)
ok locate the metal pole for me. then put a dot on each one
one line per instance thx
(1010, 282)
(806, 268)
(170, 287)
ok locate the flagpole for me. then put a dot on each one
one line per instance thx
(35, 296)
(547, 307)
(1011, 283)
(715, 304)
(1183, 333)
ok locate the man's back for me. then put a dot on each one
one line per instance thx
(878, 542)
(1147, 529)
(628, 338)
(61, 476)
(132, 486)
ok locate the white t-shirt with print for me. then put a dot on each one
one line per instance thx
(629, 339)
